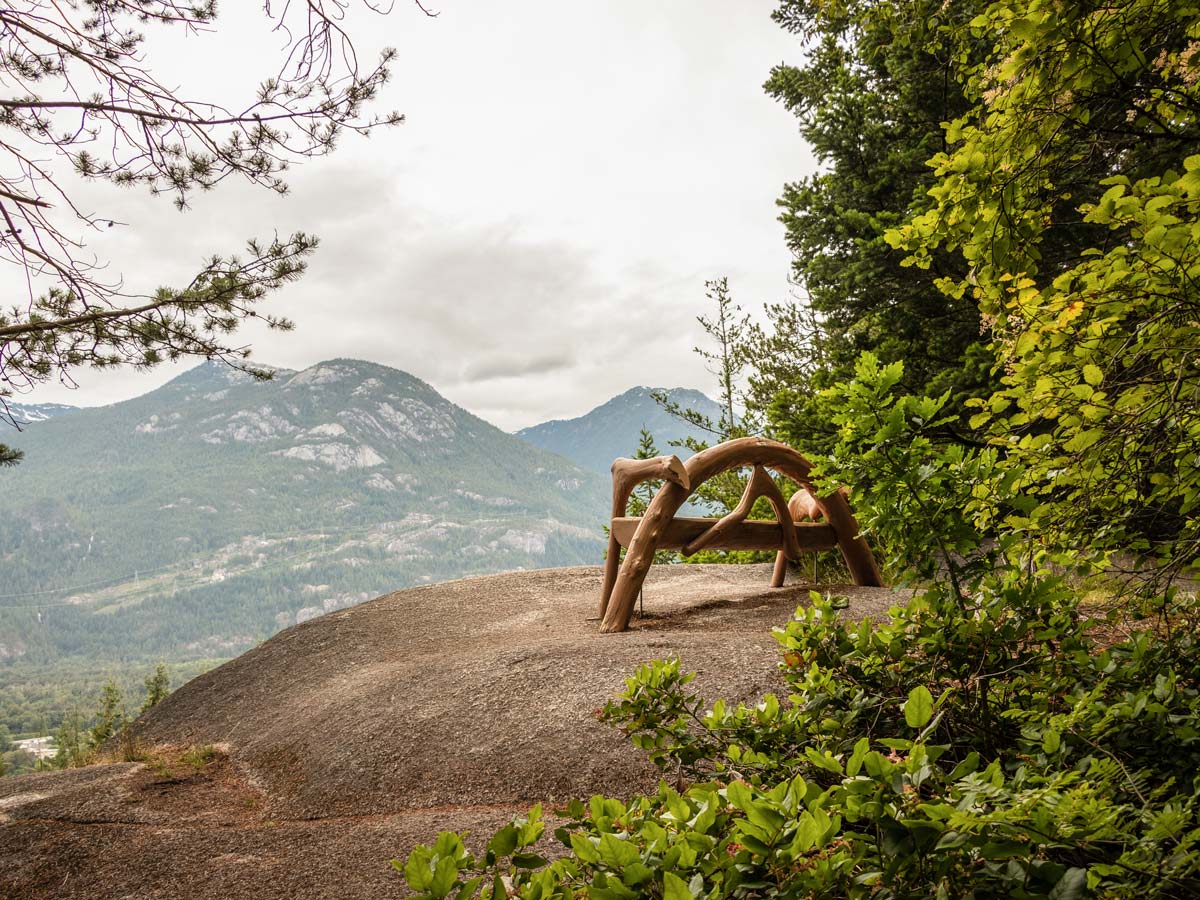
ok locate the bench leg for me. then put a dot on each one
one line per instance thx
(780, 572)
(612, 564)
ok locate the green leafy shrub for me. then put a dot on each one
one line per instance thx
(980, 742)
(896, 768)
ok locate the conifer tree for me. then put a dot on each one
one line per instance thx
(644, 492)
(72, 743)
(110, 716)
(870, 98)
(158, 686)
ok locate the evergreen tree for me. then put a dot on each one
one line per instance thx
(110, 716)
(72, 741)
(644, 492)
(870, 98)
(731, 333)
(158, 686)
(728, 330)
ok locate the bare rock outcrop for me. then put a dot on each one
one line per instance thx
(341, 742)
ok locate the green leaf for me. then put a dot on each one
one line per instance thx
(529, 861)
(583, 848)
(1003, 850)
(468, 889)
(417, 871)
(674, 888)
(504, 842)
(445, 873)
(918, 709)
(854, 764)
(1051, 741)
(823, 760)
(1070, 886)
(1083, 439)
(762, 815)
(637, 873)
(617, 853)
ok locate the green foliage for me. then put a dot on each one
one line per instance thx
(158, 686)
(110, 717)
(74, 743)
(35, 699)
(1086, 121)
(883, 438)
(979, 742)
(77, 738)
(869, 98)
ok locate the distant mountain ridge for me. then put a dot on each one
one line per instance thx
(596, 438)
(28, 413)
(198, 519)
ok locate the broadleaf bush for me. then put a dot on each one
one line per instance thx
(990, 738)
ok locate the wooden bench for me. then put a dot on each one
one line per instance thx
(794, 530)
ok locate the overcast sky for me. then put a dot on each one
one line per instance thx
(536, 237)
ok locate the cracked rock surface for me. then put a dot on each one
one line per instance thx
(301, 768)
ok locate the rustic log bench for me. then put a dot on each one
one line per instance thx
(793, 532)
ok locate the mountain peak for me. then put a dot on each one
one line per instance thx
(363, 373)
(613, 428)
(678, 394)
(213, 374)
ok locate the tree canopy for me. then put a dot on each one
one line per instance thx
(869, 98)
(1086, 124)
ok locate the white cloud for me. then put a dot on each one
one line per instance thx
(536, 238)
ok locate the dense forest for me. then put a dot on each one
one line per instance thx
(996, 352)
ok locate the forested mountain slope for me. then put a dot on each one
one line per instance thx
(200, 518)
(612, 429)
